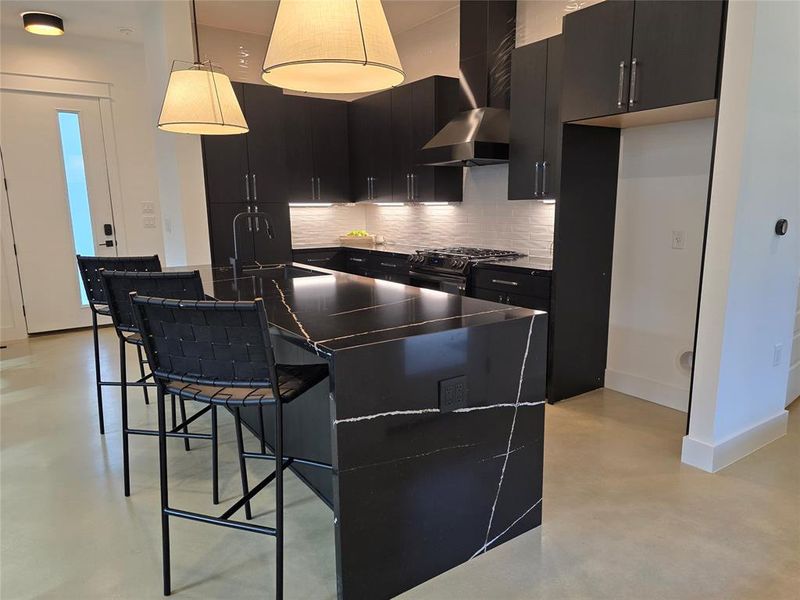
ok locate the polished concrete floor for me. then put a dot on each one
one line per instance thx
(623, 519)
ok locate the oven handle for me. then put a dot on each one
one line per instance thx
(427, 277)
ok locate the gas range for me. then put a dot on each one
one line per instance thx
(446, 269)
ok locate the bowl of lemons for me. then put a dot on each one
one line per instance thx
(357, 237)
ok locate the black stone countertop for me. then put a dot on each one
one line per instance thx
(326, 311)
(523, 263)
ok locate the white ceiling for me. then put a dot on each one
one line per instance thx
(256, 16)
(105, 18)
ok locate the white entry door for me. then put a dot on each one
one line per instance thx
(58, 193)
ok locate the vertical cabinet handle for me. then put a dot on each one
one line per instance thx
(247, 187)
(621, 85)
(255, 189)
(313, 190)
(249, 222)
(408, 186)
(634, 69)
(319, 189)
(414, 188)
(369, 188)
(536, 178)
(545, 164)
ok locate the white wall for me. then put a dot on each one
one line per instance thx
(749, 287)
(121, 64)
(181, 186)
(662, 187)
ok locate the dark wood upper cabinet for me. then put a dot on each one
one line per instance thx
(528, 94)
(315, 133)
(369, 120)
(535, 145)
(226, 164)
(419, 110)
(330, 149)
(624, 56)
(597, 60)
(676, 46)
(301, 185)
(263, 108)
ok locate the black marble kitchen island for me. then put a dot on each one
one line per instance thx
(433, 418)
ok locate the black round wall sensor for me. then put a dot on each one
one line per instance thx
(781, 227)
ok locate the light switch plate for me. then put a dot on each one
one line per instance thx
(148, 208)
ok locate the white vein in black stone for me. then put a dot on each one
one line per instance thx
(347, 312)
(506, 530)
(295, 317)
(385, 329)
(422, 411)
(510, 435)
(402, 458)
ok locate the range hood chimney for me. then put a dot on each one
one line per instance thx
(479, 134)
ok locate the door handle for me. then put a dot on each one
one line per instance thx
(255, 189)
(545, 164)
(634, 69)
(247, 187)
(106, 244)
(621, 86)
(536, 178)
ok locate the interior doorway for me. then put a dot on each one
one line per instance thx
(59, 200)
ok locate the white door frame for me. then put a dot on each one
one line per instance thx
(69, 87)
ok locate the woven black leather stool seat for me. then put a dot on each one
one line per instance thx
(293, 381)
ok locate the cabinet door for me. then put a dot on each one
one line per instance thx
(551, 169)
(402, 143)
(423, 128)
(279, 248)
(676, 49)
(491, 295)
(528, 94)
(597, 60)
(220, 228)
(263, 106)
(225, 164)
(380, 118)
(299, 155)
(359, 128)
(329, 142)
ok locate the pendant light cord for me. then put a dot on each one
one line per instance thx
(195, 37)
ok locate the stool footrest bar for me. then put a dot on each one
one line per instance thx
(201, 518)
(299, 461)
(150, 432)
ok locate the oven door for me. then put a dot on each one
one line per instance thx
(450, 284)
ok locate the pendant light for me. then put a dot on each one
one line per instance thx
(332, 47)
(200, 99)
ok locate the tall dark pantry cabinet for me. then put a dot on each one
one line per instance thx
(247, 173)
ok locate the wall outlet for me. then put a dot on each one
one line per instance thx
(452, 393)
(678, 240)
(777, 355)
(149, 222)
(148, 208)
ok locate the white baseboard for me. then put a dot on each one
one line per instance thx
(648, 389)
(713, 457)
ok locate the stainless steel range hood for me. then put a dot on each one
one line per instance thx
(479, 134)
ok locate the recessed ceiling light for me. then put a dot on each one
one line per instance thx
(41, 23)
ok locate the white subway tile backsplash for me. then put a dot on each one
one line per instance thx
(485, 218)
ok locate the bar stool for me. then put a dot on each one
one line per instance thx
(118, 286)
(220, 353)
(89, 268)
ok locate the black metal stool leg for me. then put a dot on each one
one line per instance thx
(162, 463)
(242, 465)
(141, 371)
(214, 456)
(123, 393)
(174, 414)
(263, 430)
(185, 427)
(97, 377)
(278, 498)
